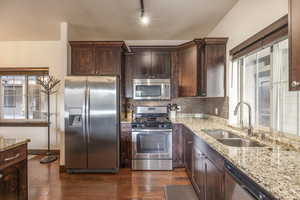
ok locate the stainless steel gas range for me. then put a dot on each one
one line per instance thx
(151, 139)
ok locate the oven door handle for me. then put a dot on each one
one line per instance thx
(152, 130)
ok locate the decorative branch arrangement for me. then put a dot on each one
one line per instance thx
(48, 84)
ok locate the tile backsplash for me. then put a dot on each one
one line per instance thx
(191, 105)
(204, 105)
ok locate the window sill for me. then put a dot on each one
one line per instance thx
(23, 124)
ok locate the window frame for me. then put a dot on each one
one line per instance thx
(240, 88)
(36, 71)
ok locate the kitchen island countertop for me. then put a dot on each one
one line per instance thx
(10, 143)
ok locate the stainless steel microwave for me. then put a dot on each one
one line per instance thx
(151, 89)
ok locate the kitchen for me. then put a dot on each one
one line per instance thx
(207, 108)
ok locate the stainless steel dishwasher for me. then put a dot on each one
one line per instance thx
(240, 187)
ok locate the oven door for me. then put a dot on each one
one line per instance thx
(151, 89)
(152, 144)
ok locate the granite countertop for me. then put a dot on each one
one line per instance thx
(9, 143)
(274, 168)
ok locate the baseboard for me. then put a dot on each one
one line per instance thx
(42, 151)
(62, 169)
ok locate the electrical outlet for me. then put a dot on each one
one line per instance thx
(216, 111)
(179, 108)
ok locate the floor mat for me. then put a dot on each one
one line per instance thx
(180, 192)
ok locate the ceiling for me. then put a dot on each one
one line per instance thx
(110, 19)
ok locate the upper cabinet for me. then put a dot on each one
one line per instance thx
(294, 40)
(150, 63)
(189, 71)
(202, 68)
(108, 60)
(82, 59)
(140, 62)
(161, 64)
(214, 67)
(96, 58)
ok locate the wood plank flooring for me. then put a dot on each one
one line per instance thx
(46, 183)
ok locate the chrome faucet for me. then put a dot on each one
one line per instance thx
(250, 128)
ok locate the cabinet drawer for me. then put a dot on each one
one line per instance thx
(13, 156)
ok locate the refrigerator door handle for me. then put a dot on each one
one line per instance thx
(88, 114)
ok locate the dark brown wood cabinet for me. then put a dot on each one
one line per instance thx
(188, 150)
(13, 174)
(140, 62)
(199, 173)
(82, 59)
(160, 64)
(214, 67)
(294, 44)
(108, 60)
(202, 68)
(189, 71)
(96, 58)
(150, 63)
(214, 181)
(204, 167)
(125, 146)
(177, 142)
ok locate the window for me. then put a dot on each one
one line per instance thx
(21, 98)
(261, 79)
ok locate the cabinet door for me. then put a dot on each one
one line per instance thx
(214, 182)
(83, 60)
(214, 71)
(161, 64)
(188, 150)
(13, 182)
(125, 147)
(199, 172)
(294, 44)
(108, 60)
(177, 142)
(129, 75)
(141, 65)
(188, 80)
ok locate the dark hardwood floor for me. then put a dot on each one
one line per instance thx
(46, 183)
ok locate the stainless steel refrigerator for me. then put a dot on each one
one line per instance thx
(92, 124)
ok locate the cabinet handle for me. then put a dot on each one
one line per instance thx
(190, 142)
(295, 84)
(1, 176)
(12, 158)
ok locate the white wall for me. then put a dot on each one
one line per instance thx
(244, 20)
(52, 54)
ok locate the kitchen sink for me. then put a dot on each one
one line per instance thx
(230, 139)
(220, 133)
(240, 142)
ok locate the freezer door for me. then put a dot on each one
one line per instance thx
(103, 123)
(75, 134)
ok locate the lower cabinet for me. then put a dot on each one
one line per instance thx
(125, 146)
(188, 150)
(13, 178)
(214, 182)
(198, 172)
(177, 146)
(206, 175)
